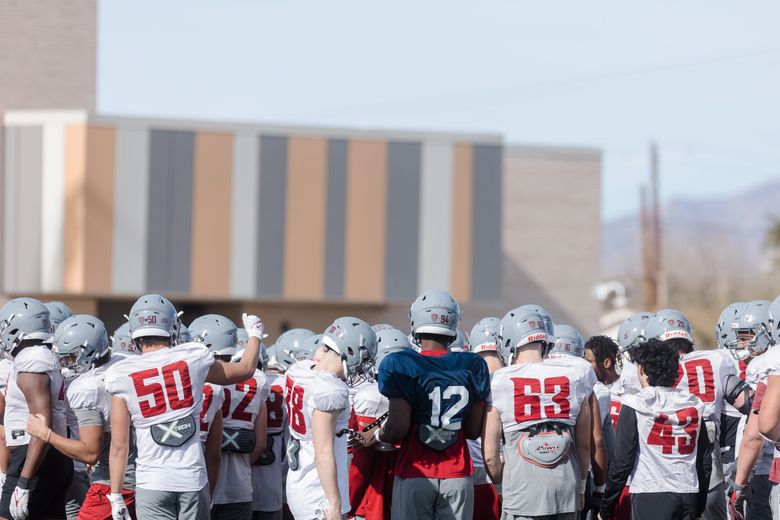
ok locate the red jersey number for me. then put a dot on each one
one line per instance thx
(528, 405)
(208, 398)
(156, 397)
(701, 378)
(249, 389)
(662, 433)
(294, 402)
(275, 406)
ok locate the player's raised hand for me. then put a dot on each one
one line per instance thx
(253, 325)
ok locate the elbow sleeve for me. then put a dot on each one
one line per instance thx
(736, 387)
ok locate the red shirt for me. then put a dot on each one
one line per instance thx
(416, 460)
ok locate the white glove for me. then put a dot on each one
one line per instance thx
(253, 325)
(19, 501)
(118, 507)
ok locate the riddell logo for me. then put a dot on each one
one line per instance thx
(677, 334)
(536, 337)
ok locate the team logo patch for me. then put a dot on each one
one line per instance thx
(174, 433)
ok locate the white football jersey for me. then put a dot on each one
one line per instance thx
(526, 394)
(668, 422)
(616, 401)
(704, 374)
(5, 373)
(213, 397)
(37, 360)
(368, 403)
(761, 367)
(305, 392)
(604, 398)
(240, 409)
(629, 379)
(267, 481)
(161, 387)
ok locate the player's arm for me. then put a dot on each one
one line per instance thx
(626, 446)
(398, 421)
(738, 394)
(214, 451)
(703, 467)
(5, 453)
(582, 432)
(86, 449)
(36, 390)
(324, 434)
(749, 450)
(598, 448)
(491, 445)
(769, 418)
(120, 443)
(475, 420)
(260, 434)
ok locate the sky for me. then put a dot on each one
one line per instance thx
(701, 78)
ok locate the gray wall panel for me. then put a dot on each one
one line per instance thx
(273, 187)
(170, 211)
(24, 169)
(336, 207)
(487, 274)
(403, 214)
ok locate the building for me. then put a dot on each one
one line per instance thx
(298, 224)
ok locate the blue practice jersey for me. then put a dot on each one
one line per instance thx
(440, 388)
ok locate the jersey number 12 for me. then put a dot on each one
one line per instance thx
(461, 396)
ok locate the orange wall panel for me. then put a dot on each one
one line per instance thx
(211, 214)
(74, 241)
(364, 258)
(305, 218)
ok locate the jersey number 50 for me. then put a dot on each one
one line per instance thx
(167, 396)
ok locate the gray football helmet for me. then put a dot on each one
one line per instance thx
(724, 333)
(154, 315)
(389, 341)
(288, 342)
(774, 319)
(379, 327)
(58, 312)
(217, 332)
(669, 324)
(185, 336)
(242, 338)
(305, 349)
(632, 331)
(460, 343)
(752, 318)
(22, 319)
(121, 341)
(355, 341)
(483, 335)
(522, 326)
(279, 359)
(568, 340)
(262, 359)
(435, 312)
(81, 340)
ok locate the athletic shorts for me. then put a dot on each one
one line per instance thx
(47, 489)
(151, 504)
(97, 507)
(672, 506)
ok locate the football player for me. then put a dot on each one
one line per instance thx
(268, 471)
(484, 342)
(243, 422)
(160, 393)
(37, 477)
(371, 481)
(569, 347)
(769, 406)
(82, 344)
(211, 432)
(542, 408)
(437, 402)
(79, 485)
(731, 418)
(662, 442)
(709, 375)
(317, 399)
(751, 342)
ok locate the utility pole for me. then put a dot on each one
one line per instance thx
(648, 269)
(658, 268)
